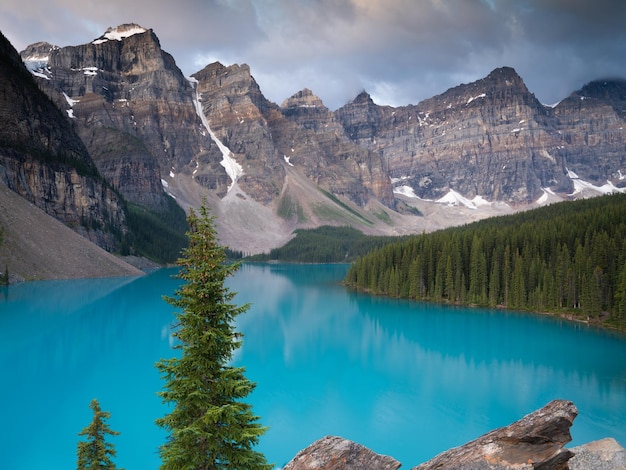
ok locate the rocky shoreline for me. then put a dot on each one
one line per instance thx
(537, 441)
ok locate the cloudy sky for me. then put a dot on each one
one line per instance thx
(400, 51)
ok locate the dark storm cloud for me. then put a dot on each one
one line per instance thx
(401, 51)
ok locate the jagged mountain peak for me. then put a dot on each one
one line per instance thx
(503, 78)
(118, 33)
(504, 73)
(362, 98)
(46, 135)
(38, 50)
(36, 57)
(501, 84)
(303, 99)
(609, 92)
(217, 69)
(606, 89)
(232, 80)
(500, 78)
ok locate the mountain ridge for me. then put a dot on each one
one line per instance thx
(475, 150)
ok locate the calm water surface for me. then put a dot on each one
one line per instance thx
(403, 378)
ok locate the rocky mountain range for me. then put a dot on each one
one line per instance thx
(476, 150)
(492, 139)
(44, 160)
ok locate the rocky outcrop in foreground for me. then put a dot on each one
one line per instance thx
(336, 453)
(534, 442)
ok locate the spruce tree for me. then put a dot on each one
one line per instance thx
(95, 453)
(209, 425)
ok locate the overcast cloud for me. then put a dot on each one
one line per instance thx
(400, 51)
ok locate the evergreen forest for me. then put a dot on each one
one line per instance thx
(324, 244)
(156, 235)
(567, 258)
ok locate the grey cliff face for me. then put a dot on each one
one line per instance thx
(44, 160)
(302, 133)
(329, 156)
(136, 114)
(591, 125)
(238, 114)
(491, 138)
(132, 107)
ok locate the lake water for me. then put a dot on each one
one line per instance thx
(406, 379)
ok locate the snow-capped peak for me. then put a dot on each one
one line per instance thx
(120, 32)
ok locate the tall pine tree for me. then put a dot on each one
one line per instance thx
(95, 453)
(209, 427)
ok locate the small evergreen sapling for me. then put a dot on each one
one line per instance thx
(209, 426)
(95, 453)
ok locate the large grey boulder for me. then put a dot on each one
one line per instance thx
(605, 454)
(337, 453)
(534, 442)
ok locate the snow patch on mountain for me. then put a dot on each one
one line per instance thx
(398, 180)
(580, 186)
(90, 71)
(454, 199)
(233, 169)
(71, 102)
(40, 75)
(451, 199)
(482, 95)
(120, 32)
(571, 175)
(37, 64)
(584, 187)
(405, 191)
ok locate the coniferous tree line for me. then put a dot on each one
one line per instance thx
(564, 258)
(159, 236)
(326, 244)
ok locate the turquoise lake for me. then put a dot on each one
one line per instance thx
(406, 379)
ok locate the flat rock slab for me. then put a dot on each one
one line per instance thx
(337, 453)
(605, 454)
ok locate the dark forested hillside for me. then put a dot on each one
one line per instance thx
(565, 258)
(156, 235)
(325, 244)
